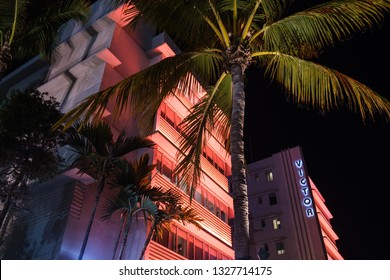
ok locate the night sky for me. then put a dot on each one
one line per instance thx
(347, 159)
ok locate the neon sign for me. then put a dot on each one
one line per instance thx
(307, 201)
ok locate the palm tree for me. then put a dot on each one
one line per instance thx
(169, 212)
(129, 204)
(28, 28)
(230, 36)
(98, 154)
(135, 194)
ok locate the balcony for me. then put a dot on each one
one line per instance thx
(156, 251)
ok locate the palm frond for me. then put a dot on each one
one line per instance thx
(249, 20)
(11, 12)
(196, 15)
(274, 9)
(124, 145)
(323, 88)
(203, 119)
(38, 34)
(144, 91)
(183, 215)
(305, 33)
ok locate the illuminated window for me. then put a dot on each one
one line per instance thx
(272, 198)
(164, 166)
(213, 254)
(198, 196)
(276, 223)
(209, 203)
(185, 244)
(269, 176)
(214, 159)
(181, 243)
(198, 250)
(170, 116)
(280, 248)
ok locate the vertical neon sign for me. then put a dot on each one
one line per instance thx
(307, 201)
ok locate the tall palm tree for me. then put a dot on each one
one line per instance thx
(219, 40)
(28, 28)
(98, 154)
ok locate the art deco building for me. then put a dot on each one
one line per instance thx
(288, 216)
(92, 57)
(289, 219)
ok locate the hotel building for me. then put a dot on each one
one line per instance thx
(92, 57)
(288, 216)
(289, 219)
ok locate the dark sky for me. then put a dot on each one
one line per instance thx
(347, 159)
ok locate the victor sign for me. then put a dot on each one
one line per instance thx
(307, 201)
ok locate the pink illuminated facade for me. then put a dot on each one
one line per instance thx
(93, 57)
(288, 216)
(289, 219)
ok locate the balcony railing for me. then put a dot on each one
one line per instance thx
(158, 252)
(210, 223)
(169, 132)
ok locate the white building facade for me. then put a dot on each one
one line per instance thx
(288, 216)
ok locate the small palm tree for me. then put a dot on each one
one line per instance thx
(129, 204)
(28, 28)
(219, 41)
(168, 213)
(132, 180)
(98, 154)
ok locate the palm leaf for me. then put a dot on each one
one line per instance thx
(322, 88)
(203, 118)
(144, 91)
(39, 33)
(307, 32)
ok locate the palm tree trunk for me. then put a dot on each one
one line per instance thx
(147, 241)
(92, 217)
(4, 227)
(238, 178)
(7, 204)
(124, 237)
(118, 238)
(5, 57)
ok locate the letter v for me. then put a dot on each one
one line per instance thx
(298, 163)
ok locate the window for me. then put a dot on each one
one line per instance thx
(190, 254)
(269, 176)
(262, 222)
(224, 210)
(280, 248)
(170, 116)
(272, 199)
(257, 178)
(181, 243)
(276, 223)
(209, 203)
(214, 159)
(260, 199)
(198, 250)
(198, 196)
(213, 254)
(263, 252)
(164, 166)
(185, 244)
